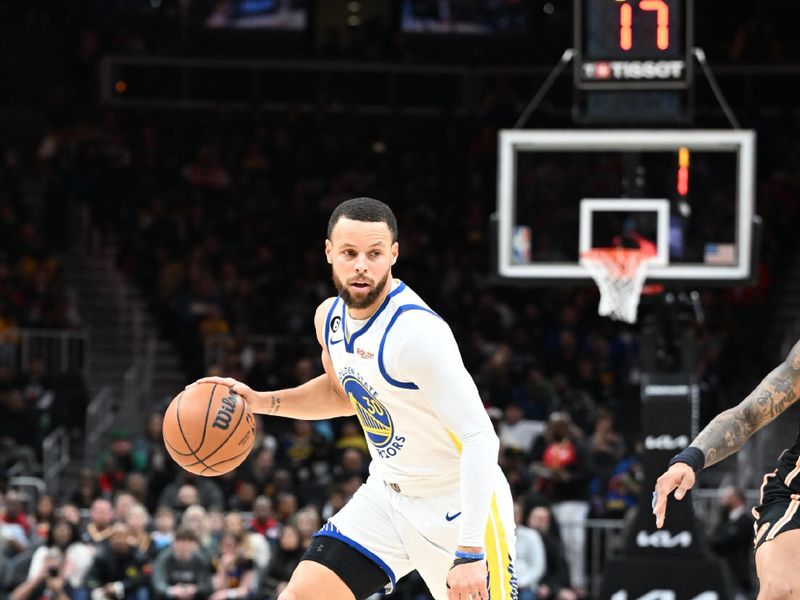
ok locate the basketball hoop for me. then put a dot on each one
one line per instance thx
(620, 275)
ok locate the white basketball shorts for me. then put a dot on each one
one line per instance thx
(401, 532)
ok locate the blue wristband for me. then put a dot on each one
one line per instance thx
(470, 555)
(691, 456)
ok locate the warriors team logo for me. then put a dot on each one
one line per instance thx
(374, 417)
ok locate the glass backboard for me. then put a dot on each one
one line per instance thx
(688, 193)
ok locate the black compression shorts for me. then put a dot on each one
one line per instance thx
(358, 572)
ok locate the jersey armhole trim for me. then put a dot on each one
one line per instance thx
(328, 321)
(333, 532)
(406, 385)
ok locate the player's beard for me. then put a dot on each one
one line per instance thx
(365, 301)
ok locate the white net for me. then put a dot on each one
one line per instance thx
(620, 275)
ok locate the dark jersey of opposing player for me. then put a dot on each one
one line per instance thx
(788, 467)
(777, 510)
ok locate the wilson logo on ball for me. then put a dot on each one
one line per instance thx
(225, 412)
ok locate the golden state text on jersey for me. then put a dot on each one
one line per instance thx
(374, 417)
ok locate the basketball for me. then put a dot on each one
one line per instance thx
(208, 429)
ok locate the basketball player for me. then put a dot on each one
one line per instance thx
(777, 527)
(436, 500)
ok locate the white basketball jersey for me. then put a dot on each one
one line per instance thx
(406, 439)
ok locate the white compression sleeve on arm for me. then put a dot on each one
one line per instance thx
(429, 357)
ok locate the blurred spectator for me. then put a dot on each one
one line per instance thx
(576, 402)
(283, 563)
(63, 550)
(17, 527)
(263, 521)
(555, 584)
(515, 466)
(606, 446)
(182, 571)
(516, 432)
(352, 463)
(43, 516)
(164, 532)
(123, 501)
(195, 518)
(259, 469)
(308, 523)
(137, 486)
(255, 545)
(622, 491)
(70, 513)
(31, 289)
(351, 436)
(243, 497)
(187, 489)
(110, 476)
(531, 557)
(138, 519)
(149, 447)
(285, 507)
(216, 524)
(496, 373)
(99, 527)
(88, 489)
(562, 466)
(301, 447)
(282, 482)
(120, 460)
(235, 577)
(732, 539)
(47, 582)
(606, 449)
(120, 570)
(185, 496)
(335, 502)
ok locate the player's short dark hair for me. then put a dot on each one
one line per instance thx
(364, 209)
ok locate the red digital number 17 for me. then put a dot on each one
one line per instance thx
(661, 9)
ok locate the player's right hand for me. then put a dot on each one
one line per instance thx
(237, 387)
(679, 478)
(468, 580)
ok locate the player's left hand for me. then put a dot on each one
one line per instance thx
(680, 478)
(466, 579)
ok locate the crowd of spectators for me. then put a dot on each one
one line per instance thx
(32, 296)
(200, 207)
(32, 292)
(136, 525)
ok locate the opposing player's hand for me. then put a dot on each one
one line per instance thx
(237, 387)
(680, 478)
(466, 579)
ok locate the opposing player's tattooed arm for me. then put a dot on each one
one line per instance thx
(729, 430)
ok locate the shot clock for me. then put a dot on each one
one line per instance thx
(632, 44)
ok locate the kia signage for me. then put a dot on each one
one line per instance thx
(672, 563)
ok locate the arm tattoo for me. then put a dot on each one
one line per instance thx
(274, 405)
(729, 430)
